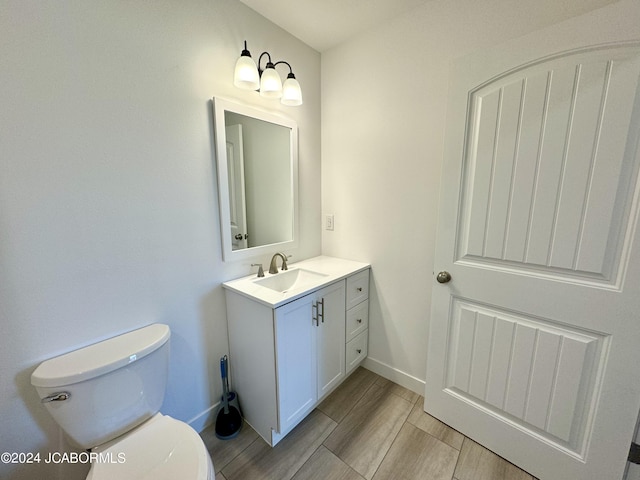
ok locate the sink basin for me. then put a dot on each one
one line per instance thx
(302, 278)
(291, 280)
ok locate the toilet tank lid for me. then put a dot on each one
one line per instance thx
(100, 358)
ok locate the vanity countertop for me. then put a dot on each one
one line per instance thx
(320, 271)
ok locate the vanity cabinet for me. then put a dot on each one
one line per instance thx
(286, 358)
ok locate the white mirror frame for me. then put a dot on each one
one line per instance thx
(220, 106)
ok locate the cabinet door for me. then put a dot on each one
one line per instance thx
(296, 361)
(330, 334)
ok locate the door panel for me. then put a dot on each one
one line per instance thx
(295, 361)
(330, 333)
(546, 179)
(533, 343)
(533, 373)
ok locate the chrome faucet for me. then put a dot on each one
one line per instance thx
(273, 268)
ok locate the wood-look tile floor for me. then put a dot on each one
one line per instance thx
(368, 428)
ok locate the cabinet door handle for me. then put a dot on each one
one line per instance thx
(359, 320)
(321, 313)
(314, 316)
(359, 289)
(359, 351)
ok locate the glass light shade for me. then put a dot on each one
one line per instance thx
(246, 74)
(291, 92)
(270, 84)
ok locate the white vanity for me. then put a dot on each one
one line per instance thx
(293, 337)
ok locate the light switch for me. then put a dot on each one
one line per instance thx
(328, 222)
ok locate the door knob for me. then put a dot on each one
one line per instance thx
(443, 277)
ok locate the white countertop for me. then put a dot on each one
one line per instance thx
(331, 268)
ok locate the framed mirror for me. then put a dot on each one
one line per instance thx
(257, 163)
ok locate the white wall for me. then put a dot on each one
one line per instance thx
(108, 197)
(384, 98)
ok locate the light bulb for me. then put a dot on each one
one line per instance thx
(291, 92)
(270, 83)
(246, 74)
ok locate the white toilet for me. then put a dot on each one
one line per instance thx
(107, 398)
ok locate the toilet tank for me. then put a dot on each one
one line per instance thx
(108, 388)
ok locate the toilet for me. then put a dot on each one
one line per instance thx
(107, 398)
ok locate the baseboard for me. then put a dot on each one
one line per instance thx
(204, 419)
(397, 376)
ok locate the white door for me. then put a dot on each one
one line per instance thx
(534, 344)
(295, 362)
(330, 334)
(237, 198)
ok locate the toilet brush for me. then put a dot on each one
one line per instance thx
(229, 419)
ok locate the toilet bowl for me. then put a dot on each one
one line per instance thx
(107, 397)
(162, 448)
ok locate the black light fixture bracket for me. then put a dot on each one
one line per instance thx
(245, 51)
(271, 64)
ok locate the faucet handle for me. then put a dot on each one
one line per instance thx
(260, 270)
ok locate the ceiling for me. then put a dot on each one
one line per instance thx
(323, 24)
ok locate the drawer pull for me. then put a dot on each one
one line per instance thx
(359, 350)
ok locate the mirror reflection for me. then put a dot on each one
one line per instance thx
(257, 179)
(259, 170)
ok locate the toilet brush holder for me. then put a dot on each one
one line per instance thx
(229, 418)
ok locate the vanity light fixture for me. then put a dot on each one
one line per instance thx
(248, 76)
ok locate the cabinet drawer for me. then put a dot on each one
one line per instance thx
(357, 288)
(357, 320)
(357, 350)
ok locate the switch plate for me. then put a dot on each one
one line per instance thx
(328, 222)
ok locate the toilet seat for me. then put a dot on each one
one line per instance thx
(161, 448)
